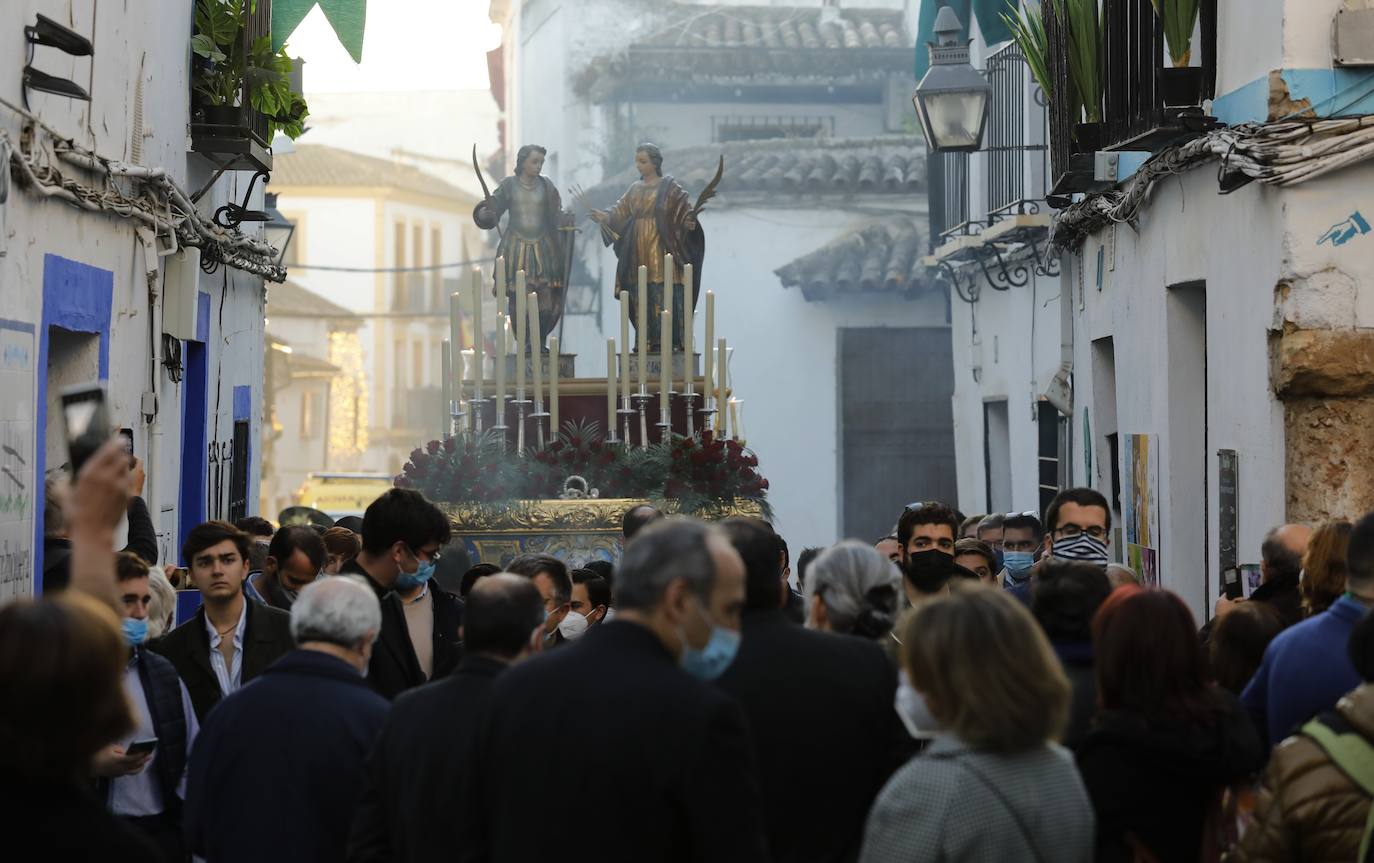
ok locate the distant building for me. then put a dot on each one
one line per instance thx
(813, 245)
(381, 217)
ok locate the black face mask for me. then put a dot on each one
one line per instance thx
(929, 570)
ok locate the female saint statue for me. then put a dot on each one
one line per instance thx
(654, 217)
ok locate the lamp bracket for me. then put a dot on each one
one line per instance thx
(231, 214)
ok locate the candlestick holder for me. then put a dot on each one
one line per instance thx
(456, 417)
(690, 398)
(539, 416)
(522, 405)
(665, 424)
(475, 407)
(641, 403)
(626, 414)
(706, 412)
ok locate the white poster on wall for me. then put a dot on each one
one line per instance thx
(17, 482)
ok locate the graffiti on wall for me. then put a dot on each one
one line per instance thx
(17, 481)
(1345, 230)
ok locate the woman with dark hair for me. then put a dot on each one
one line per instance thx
(62, 664)
(1312, 805)
(653, 218)
(1166, 741)
(1238, 642)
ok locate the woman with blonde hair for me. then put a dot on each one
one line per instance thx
(162, 609)
(1323, 566)
(996, 785)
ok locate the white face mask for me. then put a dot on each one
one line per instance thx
(911, 707)
(573, 625)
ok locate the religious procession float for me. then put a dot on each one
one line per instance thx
(536, 459)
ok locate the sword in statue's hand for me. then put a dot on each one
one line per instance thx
(486, 192)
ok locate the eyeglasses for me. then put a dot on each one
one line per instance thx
(433, 556)
(1069, 531)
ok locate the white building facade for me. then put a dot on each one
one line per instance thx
(87, 293)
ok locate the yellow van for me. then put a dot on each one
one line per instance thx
(341, 494)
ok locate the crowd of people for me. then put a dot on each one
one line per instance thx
(979, 688)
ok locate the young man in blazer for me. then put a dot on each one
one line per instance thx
(231, 639)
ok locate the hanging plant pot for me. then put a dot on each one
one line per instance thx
(1088, 137)
(221, 115)
(1182, 87)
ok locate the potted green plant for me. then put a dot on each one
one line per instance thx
(1180, 85)
(230, 75)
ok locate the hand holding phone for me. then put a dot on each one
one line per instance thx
(141, 747)
(87, 422)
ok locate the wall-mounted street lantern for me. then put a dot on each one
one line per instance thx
(277, 229)
(952, 99)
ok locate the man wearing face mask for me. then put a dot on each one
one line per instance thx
(147, 789)
(275, 773)
(402, 535)
(676, 765)
(295, 558)
(1022, 537)
(798, 686)
(550, 577)
(1079, 524)
(591, 598)
(926, 533)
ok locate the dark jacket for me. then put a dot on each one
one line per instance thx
(1157, 780)
(276, 768)
(394, 667)
(1283, 594)
(610, 731)
(63, 821)
(162, 693)
(413, 772)
(142, 535)
(1077, 661)
(1308, 808)
(266, 637)
(829, 695)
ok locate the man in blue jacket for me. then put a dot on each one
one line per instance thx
(1306, 669)
(276, 770)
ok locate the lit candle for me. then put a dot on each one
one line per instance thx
(736, 408)
(553, 387)
(455, 337)
(722, 426)
(446, 374)
(625, 346)
(688, 313)
(610, 386)
(500, 362)
(665, 384)
(708, 355)
(642, 325)
(520, 328)
(667, 335)
(479, 349)
(532, 305)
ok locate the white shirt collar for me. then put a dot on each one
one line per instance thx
(238, 630)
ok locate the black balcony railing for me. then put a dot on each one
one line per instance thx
(1144, 106)
(1016, 134)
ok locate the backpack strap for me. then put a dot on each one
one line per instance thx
(1354, 756)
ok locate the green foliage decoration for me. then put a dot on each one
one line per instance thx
(225, 69)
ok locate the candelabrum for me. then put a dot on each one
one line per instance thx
(476, 404)
(457, 417)
(539, 416)
(665, 418)
(626, 414)
(707, 411)
(690, 398)
(641, 401)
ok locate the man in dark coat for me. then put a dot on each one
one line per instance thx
(411, 789)
(402, 535)
(231, 639)
(620, 729)
(1067, 595)
(800, 687)
(276, 770)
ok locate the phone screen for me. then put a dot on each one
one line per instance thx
(139, 747)
(87, 421)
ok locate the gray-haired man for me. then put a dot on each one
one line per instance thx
(275, 771)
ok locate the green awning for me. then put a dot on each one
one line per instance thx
(347, 17)
(989, 14)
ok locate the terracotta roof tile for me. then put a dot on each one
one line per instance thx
(291, 300)
(321, 165)
(882, 256)
(781, 27)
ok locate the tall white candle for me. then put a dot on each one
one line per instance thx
(665, 384)
(553, 387)
(736, 408)
(667, 335)
(446, 374)
(502, 289)
(611, 358)
(722, 424)
(708, 355)
(520, 328)
(642, 325)
(500, 362)
(479, 349)
(688, 314)
(455, 337)
(532, 306)
(625, 346)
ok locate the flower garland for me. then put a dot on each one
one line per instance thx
(696, 472)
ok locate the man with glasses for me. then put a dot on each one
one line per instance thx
(402, 534)
(1079, 522)
(550, 577)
